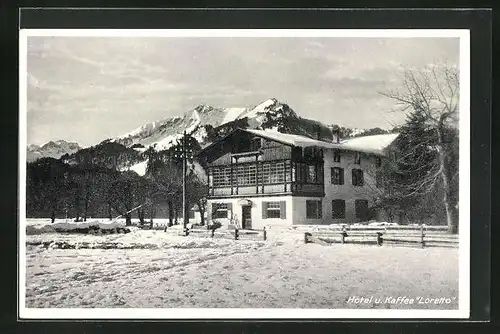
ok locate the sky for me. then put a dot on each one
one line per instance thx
(87, 89)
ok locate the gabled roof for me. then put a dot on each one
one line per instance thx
(376, 144)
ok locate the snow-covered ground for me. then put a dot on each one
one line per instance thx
(164, 270)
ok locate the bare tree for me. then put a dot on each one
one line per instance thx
(433, 93)
(197, 194)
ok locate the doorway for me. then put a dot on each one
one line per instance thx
(246, 217)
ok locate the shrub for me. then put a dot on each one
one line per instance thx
(214, 224)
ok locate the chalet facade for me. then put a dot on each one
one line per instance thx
(258, 178)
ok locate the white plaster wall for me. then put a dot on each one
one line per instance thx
(347, 191)
(196, 219)
(258, 222)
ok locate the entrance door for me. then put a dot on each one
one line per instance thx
(246, 217)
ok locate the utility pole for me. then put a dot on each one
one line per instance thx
(184, 153)
(184, 172)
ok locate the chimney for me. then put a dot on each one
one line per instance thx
(335, 133)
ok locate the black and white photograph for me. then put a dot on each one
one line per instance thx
(244, 173)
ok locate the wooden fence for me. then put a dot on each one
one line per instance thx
(235, 234)
(422, 236)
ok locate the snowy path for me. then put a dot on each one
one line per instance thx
(227, 273)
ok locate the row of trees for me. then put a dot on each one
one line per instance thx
(59, 189)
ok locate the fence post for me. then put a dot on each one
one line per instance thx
(343, 234)
(236, 234)
(379, 238)
(306, 235)
(422, 235)
(265, 234)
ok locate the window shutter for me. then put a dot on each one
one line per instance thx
(320, 209)
(341, 172)
(214, 210)
(282, 210)
(355, 181)
(229, 210)
(264, 210)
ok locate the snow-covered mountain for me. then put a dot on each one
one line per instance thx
(204, 123)
(52, 149)
(197, 121)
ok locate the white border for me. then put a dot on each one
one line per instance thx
(406, 33)
(230, 313)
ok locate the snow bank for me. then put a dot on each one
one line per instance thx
(44, 226)
(138, 239)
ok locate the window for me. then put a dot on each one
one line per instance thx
(378, 162)
(357, 158)
(361, 207)
(245, 175)
(336, 156)
(357, 177)
(337, 175)
(191, 214)
(338, 208)
(272, 173)
(221, 177)
(274, 210)
(263, 175)
(276, 174)
(313, 209)
(256, 144)
(312, 175)
(220, 210)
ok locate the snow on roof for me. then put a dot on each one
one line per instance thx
(295, 140)
(375, 144)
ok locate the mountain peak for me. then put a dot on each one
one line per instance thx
(204, 108)
(267, 103)
(54, 149)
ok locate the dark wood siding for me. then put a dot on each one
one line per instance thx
(271, 165)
